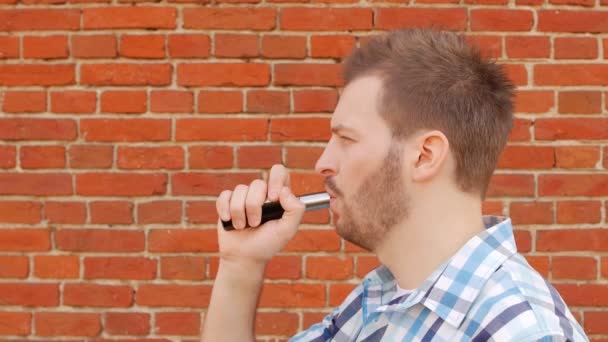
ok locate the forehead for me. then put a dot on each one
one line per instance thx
(358, 105)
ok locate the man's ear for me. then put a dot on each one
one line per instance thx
(432, 150)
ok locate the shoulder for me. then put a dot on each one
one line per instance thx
(517, 303)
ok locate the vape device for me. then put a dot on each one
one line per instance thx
(274, 211)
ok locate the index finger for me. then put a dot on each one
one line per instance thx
(277, 179)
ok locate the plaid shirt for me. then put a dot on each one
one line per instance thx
(486, 291)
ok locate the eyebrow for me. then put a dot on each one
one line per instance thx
(340, 127)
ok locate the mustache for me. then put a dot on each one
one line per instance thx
(330, 183)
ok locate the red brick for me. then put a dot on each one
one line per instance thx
(284, 267)
(16, 323)
(571, 74)
(236, 45)
(492, 208)
(276, 323)
(310, 318)
(142, 46)
(47, 47)
(159, 212)
(233, 18)
(517, 73)
(586, 3)
(94, 46)
(36, 184)
(578, 21)
(571, 128)
(143, 17)
(339, 292)
(201, 212)
(315, 100)
(221, 129)
(569, 212)
(258, 157)
(583, 294)
(567, 267)
(308, 74)
(595, 322)
(193, 296)
(314, 241)
(90, 157)
(171, 101)
(534, 101)
(316, 217)
(302, 183)
(223, 74)
(182, 240)
(20, 212)
(100, 240)
(444, 18)
(490, 46)
(9, 47)
(268, 101)
(39, 19)
(572, 240)
(29, 294)
(501, 20)
(97, 295)
(67, 324)
(150, 157)
(326, 19)
(182, 267)
(573, 185)
(541, 264)
(127, 323)
(575, 48)
(531, 212)
(121, 184)
(132, 130)
(604, 269)
(329, 267)
(178, 323)
(511, 185)
(37, 74)
(302, 157)
(73, 102)
(24, 101)
(125, 268)
(275, 46)
(523, 240)
(580, 102)
(528, 46)
(56, 266)
(8, 157)
(189, 45)
(292, 295)
(366, 264)
(126, 74)
(572, 157)
(527, 157)
(520, 130)
(331, 46)
(111, 212)
(42, 157)
(219, 101)
(210, 157)
(300, 129)
(65, 212)
(13, 266)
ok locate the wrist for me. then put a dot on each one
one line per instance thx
(241, 267)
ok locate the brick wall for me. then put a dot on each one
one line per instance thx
(122, 120)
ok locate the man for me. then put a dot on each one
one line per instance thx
(415, 139)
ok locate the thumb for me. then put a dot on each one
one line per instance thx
(294, 208)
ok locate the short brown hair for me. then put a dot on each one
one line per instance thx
(433, 79)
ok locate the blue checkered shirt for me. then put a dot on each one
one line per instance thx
(486, 291)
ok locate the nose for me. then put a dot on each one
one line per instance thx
(326, 164)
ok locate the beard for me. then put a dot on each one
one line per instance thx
(377, 205)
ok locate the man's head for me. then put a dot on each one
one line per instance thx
(419, 108)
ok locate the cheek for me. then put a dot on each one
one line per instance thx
(355, 169)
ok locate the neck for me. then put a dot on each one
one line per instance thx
(413, 249)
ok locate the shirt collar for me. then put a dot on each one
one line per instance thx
(453, 287)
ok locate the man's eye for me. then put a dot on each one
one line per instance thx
(346, 138)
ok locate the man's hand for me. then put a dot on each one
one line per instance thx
(243, 206)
